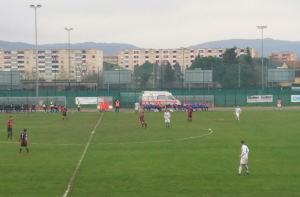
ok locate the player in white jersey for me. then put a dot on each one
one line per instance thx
(238, 112)
(167, 117)
(136, 107)
(244, 158)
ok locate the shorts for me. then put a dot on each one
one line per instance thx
(278, 105)
(237, 115)
(190, 116)
(136, 108)
(65, 115)
(23, 144)
(142, 121)
(167, 119)
(244, 161)
(9, 129)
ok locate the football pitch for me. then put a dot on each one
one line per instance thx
(110, 155)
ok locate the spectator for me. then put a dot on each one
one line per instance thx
(207, 105)
(174, 106)
(102, 106)
(117, 106)
(7, 108)
(200, 106)
(33, 108)
(185, 106)
(149, 107)
(26, 107)
(159, 107)
(22, 108)
(106, 106)
(56, 107)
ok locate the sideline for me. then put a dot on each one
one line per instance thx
(81, 158)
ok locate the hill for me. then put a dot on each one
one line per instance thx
(108, 48)
(270, 45)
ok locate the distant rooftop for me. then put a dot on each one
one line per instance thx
(111, 55)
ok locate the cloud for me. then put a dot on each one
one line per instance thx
(149, 24)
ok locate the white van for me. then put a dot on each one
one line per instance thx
(164, 98)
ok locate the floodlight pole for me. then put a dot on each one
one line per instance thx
(153, 76)
(262, 53)
(69, 29)
(36, 57)
(239, 75)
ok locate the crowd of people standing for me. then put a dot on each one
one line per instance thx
(26, 108)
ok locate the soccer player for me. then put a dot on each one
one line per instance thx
(167, 117)
(244, 158)
(142, 121)
(190, 114)
(278, 104)
(136, 107)
(24, 141)
(238, 111)
(9, 128)
(64, 113)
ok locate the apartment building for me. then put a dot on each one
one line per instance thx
(112, 59)
(283, 56)
(52, 64)
(256, 54)
(184, 57)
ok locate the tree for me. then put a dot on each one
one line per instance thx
(92, 77)
(230, 78)
(177, 70)
(142, 74)
(246, 59)
(136, 75)
(246, 76)
(169, 73)
(207, 63)
(229, 56)
(236, 75)
(109, 66)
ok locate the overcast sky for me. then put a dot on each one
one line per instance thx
(151, 23)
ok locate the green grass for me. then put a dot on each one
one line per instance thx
(125, 160)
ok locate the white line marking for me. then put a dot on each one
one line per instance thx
(154, 141)
(81, 158)
(157, 141)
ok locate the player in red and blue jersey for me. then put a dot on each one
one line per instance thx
(24, 141)
(64, 113)
(142, 121)
(9, 128)
(190, 114)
